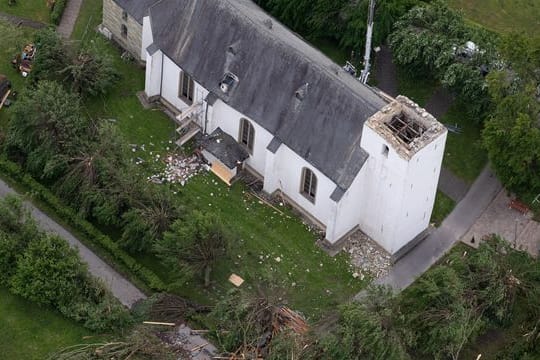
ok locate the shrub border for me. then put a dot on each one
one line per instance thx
(106, 248)
(57, 11)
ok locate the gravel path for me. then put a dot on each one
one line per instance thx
(69, 17)
(19, 21)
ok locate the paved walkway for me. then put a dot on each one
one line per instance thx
(440, 102)
(452, 186)
(19, 21)
(517, 228)
(120, 287)
(69, 17)
(428, 252)
(386, 72)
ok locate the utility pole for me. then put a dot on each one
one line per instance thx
(369, 34)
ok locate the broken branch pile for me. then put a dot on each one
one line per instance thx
(285, 318)
(173, 308)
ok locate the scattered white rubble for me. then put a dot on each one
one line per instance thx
(367, 257)
(178, 169)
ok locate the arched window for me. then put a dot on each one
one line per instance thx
(185, 87)
(247, 134)
(309, 184)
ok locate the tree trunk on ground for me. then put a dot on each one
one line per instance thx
(207, 271)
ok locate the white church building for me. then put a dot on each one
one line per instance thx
(262, 99)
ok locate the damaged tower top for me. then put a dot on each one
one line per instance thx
(405, 126)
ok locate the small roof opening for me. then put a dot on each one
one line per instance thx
(228, 82)
(405, 128)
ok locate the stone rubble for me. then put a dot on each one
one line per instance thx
(367, 258)
(179, 169)
(195, 347)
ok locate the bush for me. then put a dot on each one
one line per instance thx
(49, 272)
(57, 11)
(44, 269)
(50, 57)
(103, 314)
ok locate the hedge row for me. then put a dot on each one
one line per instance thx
(41, 193)
(57, 10)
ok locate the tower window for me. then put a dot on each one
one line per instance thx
(247, 134)
(124, 15)
(309, 184)
(385, 150)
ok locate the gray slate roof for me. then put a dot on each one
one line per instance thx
(136, 8)
(224, 147)
(285, 85)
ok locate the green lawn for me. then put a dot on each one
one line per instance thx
(29, 332)
(503, 15)
(464, 155)
(442, 208)
(30, 9)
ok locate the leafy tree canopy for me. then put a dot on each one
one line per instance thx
(192, 246)
(45, 127)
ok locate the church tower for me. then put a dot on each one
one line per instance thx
(406, 147)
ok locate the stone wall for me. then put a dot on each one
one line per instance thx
(113, 20)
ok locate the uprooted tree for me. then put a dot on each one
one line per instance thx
(193, 245)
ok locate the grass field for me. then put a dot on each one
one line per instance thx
(503, 15)
(464, 154)
(30, 9)
(31, 333)
(442, 208)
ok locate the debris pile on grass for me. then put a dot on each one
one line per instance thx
(179, 169)
(367, 257)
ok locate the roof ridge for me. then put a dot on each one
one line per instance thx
(327, 71)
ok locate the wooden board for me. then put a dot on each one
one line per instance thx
(236, 280)
(222, 172)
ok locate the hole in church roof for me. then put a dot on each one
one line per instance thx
(405, 128)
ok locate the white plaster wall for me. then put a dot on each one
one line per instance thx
(152, 81)
(350, 207)
(147, 38)
(284, 172)
(420, 191)
(399, 194)
(169, 88)
(228, 119)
